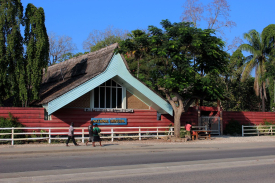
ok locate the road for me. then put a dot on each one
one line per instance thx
(193, 164)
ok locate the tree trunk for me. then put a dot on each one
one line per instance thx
(177, 116)
(263, 102)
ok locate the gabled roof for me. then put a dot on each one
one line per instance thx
(63, 77)
(66, 81)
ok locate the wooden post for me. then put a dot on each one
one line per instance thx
(12, 136)
(112, 134)
(50, 136)
(139, 134)
(82, 135)
(220, 115)
(157, 133)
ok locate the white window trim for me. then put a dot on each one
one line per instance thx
(123, 105)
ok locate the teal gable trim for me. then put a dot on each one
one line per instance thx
(116, 69)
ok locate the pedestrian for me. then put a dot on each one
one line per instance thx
(188, 127)
(91, 137)
(71, 135)
(96, 136)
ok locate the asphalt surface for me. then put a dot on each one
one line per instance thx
(138, 161)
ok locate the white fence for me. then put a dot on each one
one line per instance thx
(258, 130)
(112, 133)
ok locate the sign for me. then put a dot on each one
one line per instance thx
(109, 121)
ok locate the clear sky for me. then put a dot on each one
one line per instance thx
(77, 18)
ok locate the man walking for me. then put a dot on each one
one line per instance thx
(90, 129)
(71, 135)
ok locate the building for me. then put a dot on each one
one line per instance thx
(99, 85)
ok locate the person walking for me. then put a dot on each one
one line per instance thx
(96, 136)
(71, 135)
(91, 137)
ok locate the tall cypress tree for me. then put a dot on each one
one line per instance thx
(11, 46)
(21, 72)
(37, 51)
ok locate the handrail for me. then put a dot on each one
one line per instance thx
(258, 130)
(82, 131)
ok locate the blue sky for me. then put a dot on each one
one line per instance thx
(77, 18)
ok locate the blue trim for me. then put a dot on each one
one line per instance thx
(116, 67)
(109, 121)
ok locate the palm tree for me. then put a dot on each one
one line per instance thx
(259, 46)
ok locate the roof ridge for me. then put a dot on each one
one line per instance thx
(112, 46)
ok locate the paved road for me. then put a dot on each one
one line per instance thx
(215, 163)
(119, 158)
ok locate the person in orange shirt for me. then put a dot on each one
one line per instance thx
(188, 127)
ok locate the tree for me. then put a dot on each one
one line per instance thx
(259, 45)
(269, 34)
(59, 46)
(70, 55)
(21, 69)
(215, 14)
(99, 39)
(169, 54)
(11, 46)
(36, 56)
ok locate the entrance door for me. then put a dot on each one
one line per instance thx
(212, 123)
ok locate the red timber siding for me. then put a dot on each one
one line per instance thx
(34, 117)
(30, 117)
(142, 118)
(248, 118)
(190, 116)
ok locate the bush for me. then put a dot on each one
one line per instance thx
(233, 128)
(8, 123)
(182, 133)
(266, 122)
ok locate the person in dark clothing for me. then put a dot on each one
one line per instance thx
(71, 135)
(96, 132)
(91, 137)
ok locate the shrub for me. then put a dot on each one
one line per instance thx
(233, 128)
(8, 123)
(182, 133)
(266, 122)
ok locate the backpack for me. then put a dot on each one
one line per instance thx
(96, 131)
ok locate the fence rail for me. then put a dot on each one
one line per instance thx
(258, 130)
(112, 133)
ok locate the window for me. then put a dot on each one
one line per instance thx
(108, 95)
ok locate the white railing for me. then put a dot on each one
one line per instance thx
(112, 133)
(258, 130)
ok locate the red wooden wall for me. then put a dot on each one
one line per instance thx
(34, 117)
(248, 118)
(30, 117)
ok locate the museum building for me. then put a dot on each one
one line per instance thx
(99, 86)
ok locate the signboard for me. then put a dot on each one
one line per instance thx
(109, 121)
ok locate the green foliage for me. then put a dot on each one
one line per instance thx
(11, 47)
(233, 128)
(70, 55)
(182, 133)
(261, 48)
(106, 42)
(241, 96)
(179, 60)
(22, 59)
(33, 135)
(43, 135)
(269, 122)
(8, 123)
